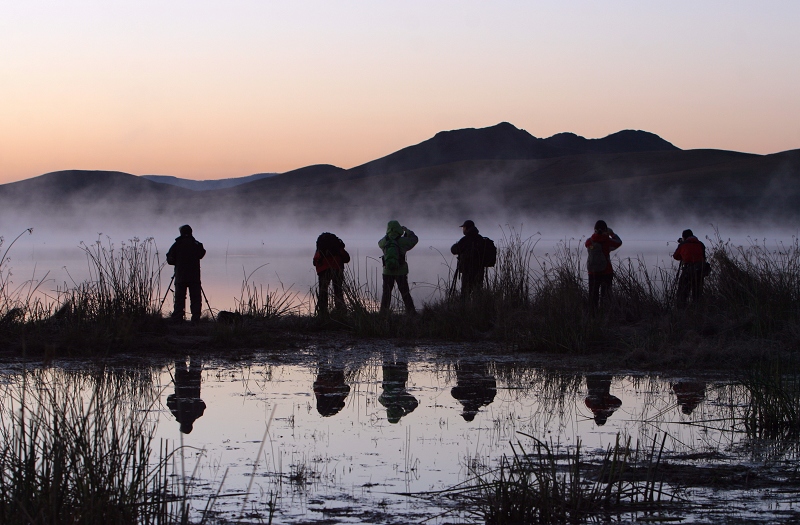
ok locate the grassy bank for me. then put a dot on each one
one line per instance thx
(750, 308)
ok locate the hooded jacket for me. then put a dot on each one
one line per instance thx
(468, 249)
(406, 241)
(608, 243)
(185, 255)
(690, 251)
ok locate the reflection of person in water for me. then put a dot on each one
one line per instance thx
(185, 404)
(330, 390)
(475, 388)
(599, 399)
(395, 397)
(689, 394)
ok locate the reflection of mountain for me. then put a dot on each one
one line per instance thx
(463, 170)
(397, 400)
(475, 388)
(185, 404)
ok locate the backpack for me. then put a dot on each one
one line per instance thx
(596, 262)
(488, 252)
(393, 256)
(329, 244)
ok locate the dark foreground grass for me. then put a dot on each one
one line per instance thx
(530, 303)
(66, 458)
(541, 485)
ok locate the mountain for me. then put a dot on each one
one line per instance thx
(205, 185)
(500, 171)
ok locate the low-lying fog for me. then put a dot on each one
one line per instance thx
(278, 254)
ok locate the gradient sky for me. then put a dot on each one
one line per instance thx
(212, 89)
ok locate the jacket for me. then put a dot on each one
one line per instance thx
(468, 250)
(185, 255)
(406, 241)
(336, 261)
(608, 243)
(690, 251)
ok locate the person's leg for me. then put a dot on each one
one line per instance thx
(196, 300)
(594, 290)
(402, 285)
(470, 281)
(682, 294)
(338, 292)
(605, 283)
(322, 297)
(179, 310)
(697, 281)
(386, 296)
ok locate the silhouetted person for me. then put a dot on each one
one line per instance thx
(329, 260)
(599, 399)
(397, 400)
(601, 273)
(475, 388)
(397, 241)
(692, 255)
(689, 394)
(185, 255)
(330, 390)
(185, 404)
(469, 250)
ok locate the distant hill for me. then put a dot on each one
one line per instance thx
(206, 185)
(497, 171)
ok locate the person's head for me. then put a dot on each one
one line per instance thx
(600, 226)
(468, 225)
(185, 230)
(394, 229)
(686, 234)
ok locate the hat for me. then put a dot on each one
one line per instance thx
(185, 229)
(687, 233)
(600, 226)
(468, 224)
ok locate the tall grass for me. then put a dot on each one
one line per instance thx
(66, 457)
(545, 486)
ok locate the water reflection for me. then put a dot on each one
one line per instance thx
(599, 399)
(689, 394)
(397, 400)
(330, 389)
(475, 387)
(185, 404)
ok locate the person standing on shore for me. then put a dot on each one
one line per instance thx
(692, 256)
(329, 261)
(397, 241)
(185, 255)
(469, 250)
(601, 273)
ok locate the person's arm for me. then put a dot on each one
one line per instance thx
(171, 256)
(201, 252)
(411, 239)
(614, 240)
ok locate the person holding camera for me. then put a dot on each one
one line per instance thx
(601, 273)
(692, 256)
(397, 241)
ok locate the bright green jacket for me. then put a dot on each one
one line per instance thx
(406, 241)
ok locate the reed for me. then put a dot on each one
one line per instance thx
(772, 411)
(67, 457)
(543, 486)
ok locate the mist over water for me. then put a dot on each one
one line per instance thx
(276, 253)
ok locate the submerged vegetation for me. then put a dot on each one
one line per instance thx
(750, 307)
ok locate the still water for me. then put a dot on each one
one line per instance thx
(353, 433)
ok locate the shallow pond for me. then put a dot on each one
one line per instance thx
(350, 433)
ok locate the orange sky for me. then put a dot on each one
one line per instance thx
(212, 90)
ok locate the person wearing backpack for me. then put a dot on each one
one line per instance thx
(397, 241)
(470, 250)
(692, 256)
(601, 273)
(329, 260)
